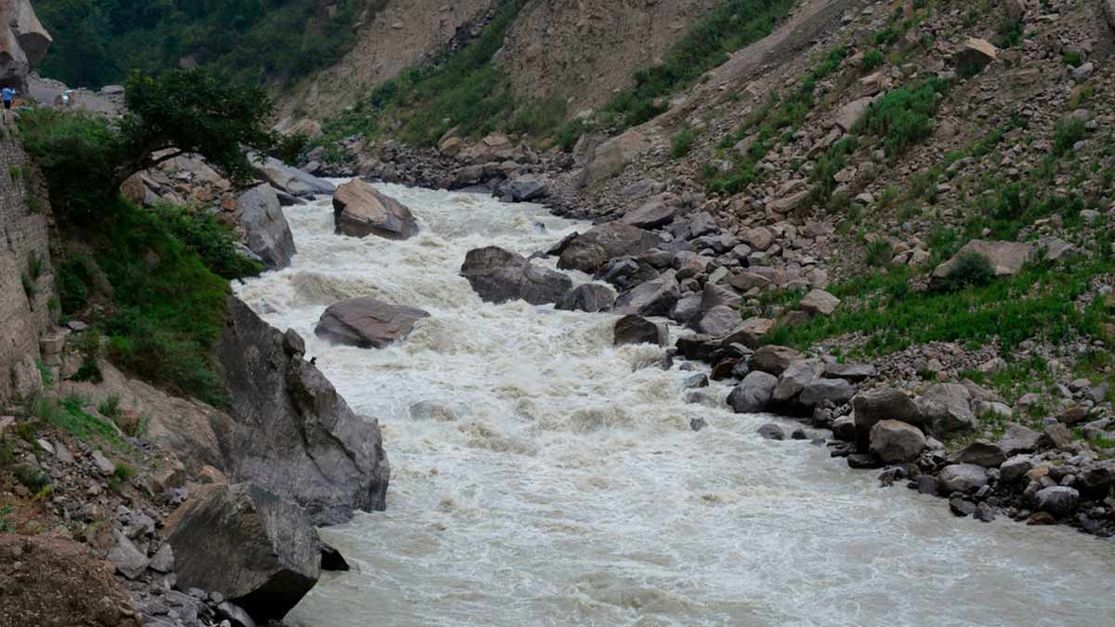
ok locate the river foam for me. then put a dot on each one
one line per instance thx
(540, 476)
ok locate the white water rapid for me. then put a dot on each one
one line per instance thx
(551, 479)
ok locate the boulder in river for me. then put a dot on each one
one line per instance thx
(360, 210)
(753, 393)
(896, 442)
(292, 180)
(367, 322)
(1060, 501)
(266, 230)
(260, 551)
(589, 251)
(656, 297)
(633, 329)
(590, 297)
(961, 478)
(499, 275)
(291, 432)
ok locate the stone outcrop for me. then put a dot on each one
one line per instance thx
(23, 42)
(367, 322)
(360, 210)
(292, 180)
(1006, 258)
(26, 281)
(499, 275)
(260, 551)
(266, 231)
(589, 251)
(590, 297)
(292, 433)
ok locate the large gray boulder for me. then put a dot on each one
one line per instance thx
(292, 180)
(258, 550)
(292, 434)
(961, 478)
(980, 453)
(947, 407)
(633, 329)
(23, 42)
(589, 251)
(794, 379)
(774, 359)
(720, 321)
(1057, 500)
(753, 393)
(367, 322)
(882, 403)
(1006, 258)
(590, 297)
(360, 210)
(896, 442)
(1019, 439)
(656, 212)
(836, 391)
(499, 275)
(266, 230)
(656, 297)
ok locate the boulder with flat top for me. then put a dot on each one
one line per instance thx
(367, 322)
(360, 210)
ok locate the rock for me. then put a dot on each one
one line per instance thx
(774, 359)
(632, 329)
(498, 276)
(163, 560)
(850, 114)
(851, 372)
(235, 614)
(590, 297)
(789, 202)
(367, 322)
(590, 251)
(1056, 436)
(753, 393)
(360, 210)
(1109, 12)
(747, 281)
(962, 507)
(1019, 439)
(716, 296)
(266, 230)
(794, 379)
(976, 54)
(771, 431)
(1015, 468)
(759, 238)
(750, 332)
(652, 298)
(1060, 501)
(980, 453)
(291, 432)
(104, 465)
(882, 403)
(49, 580)
(129, 561)
(332, 560)
(292, 180)
(1006, 258)
(719, 321)
(946, 406)
(984, 512)
(697, 424)
(896, 442)
(524, 189)
(1073, 415)
(612, 156)
(819, 303)
(961, 478)
(260, 551)
(657, 212)
(836, 391)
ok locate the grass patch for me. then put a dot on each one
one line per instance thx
(682, 142)
(1038, 302)
(904, 116)
(1066, 133)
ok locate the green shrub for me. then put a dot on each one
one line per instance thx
(682, 142)
(74, 278)
(288, 148)
(903, 116)
(872, 59)
(1072, 58)
(970, 270)
(879, 252)
(214, 243)
(6, 524)
(1066, 133)
(110, 407)
(34, 480)
(89, 347)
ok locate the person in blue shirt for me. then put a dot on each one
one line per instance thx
(8, 94)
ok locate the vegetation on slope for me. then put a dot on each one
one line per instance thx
(154, 282)
(99, 42)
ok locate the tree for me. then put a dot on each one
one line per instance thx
(86, 157)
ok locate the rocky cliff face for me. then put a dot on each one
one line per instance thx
(580, 52)
(292, 433)
(399, 35)
(26, 278)
(23, 42)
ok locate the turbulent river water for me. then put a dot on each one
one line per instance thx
(540, 476)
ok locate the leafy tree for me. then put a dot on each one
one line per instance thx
(86, 157)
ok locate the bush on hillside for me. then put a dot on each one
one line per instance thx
(970, 270)
(903, 116)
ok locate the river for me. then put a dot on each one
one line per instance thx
(542, 477)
